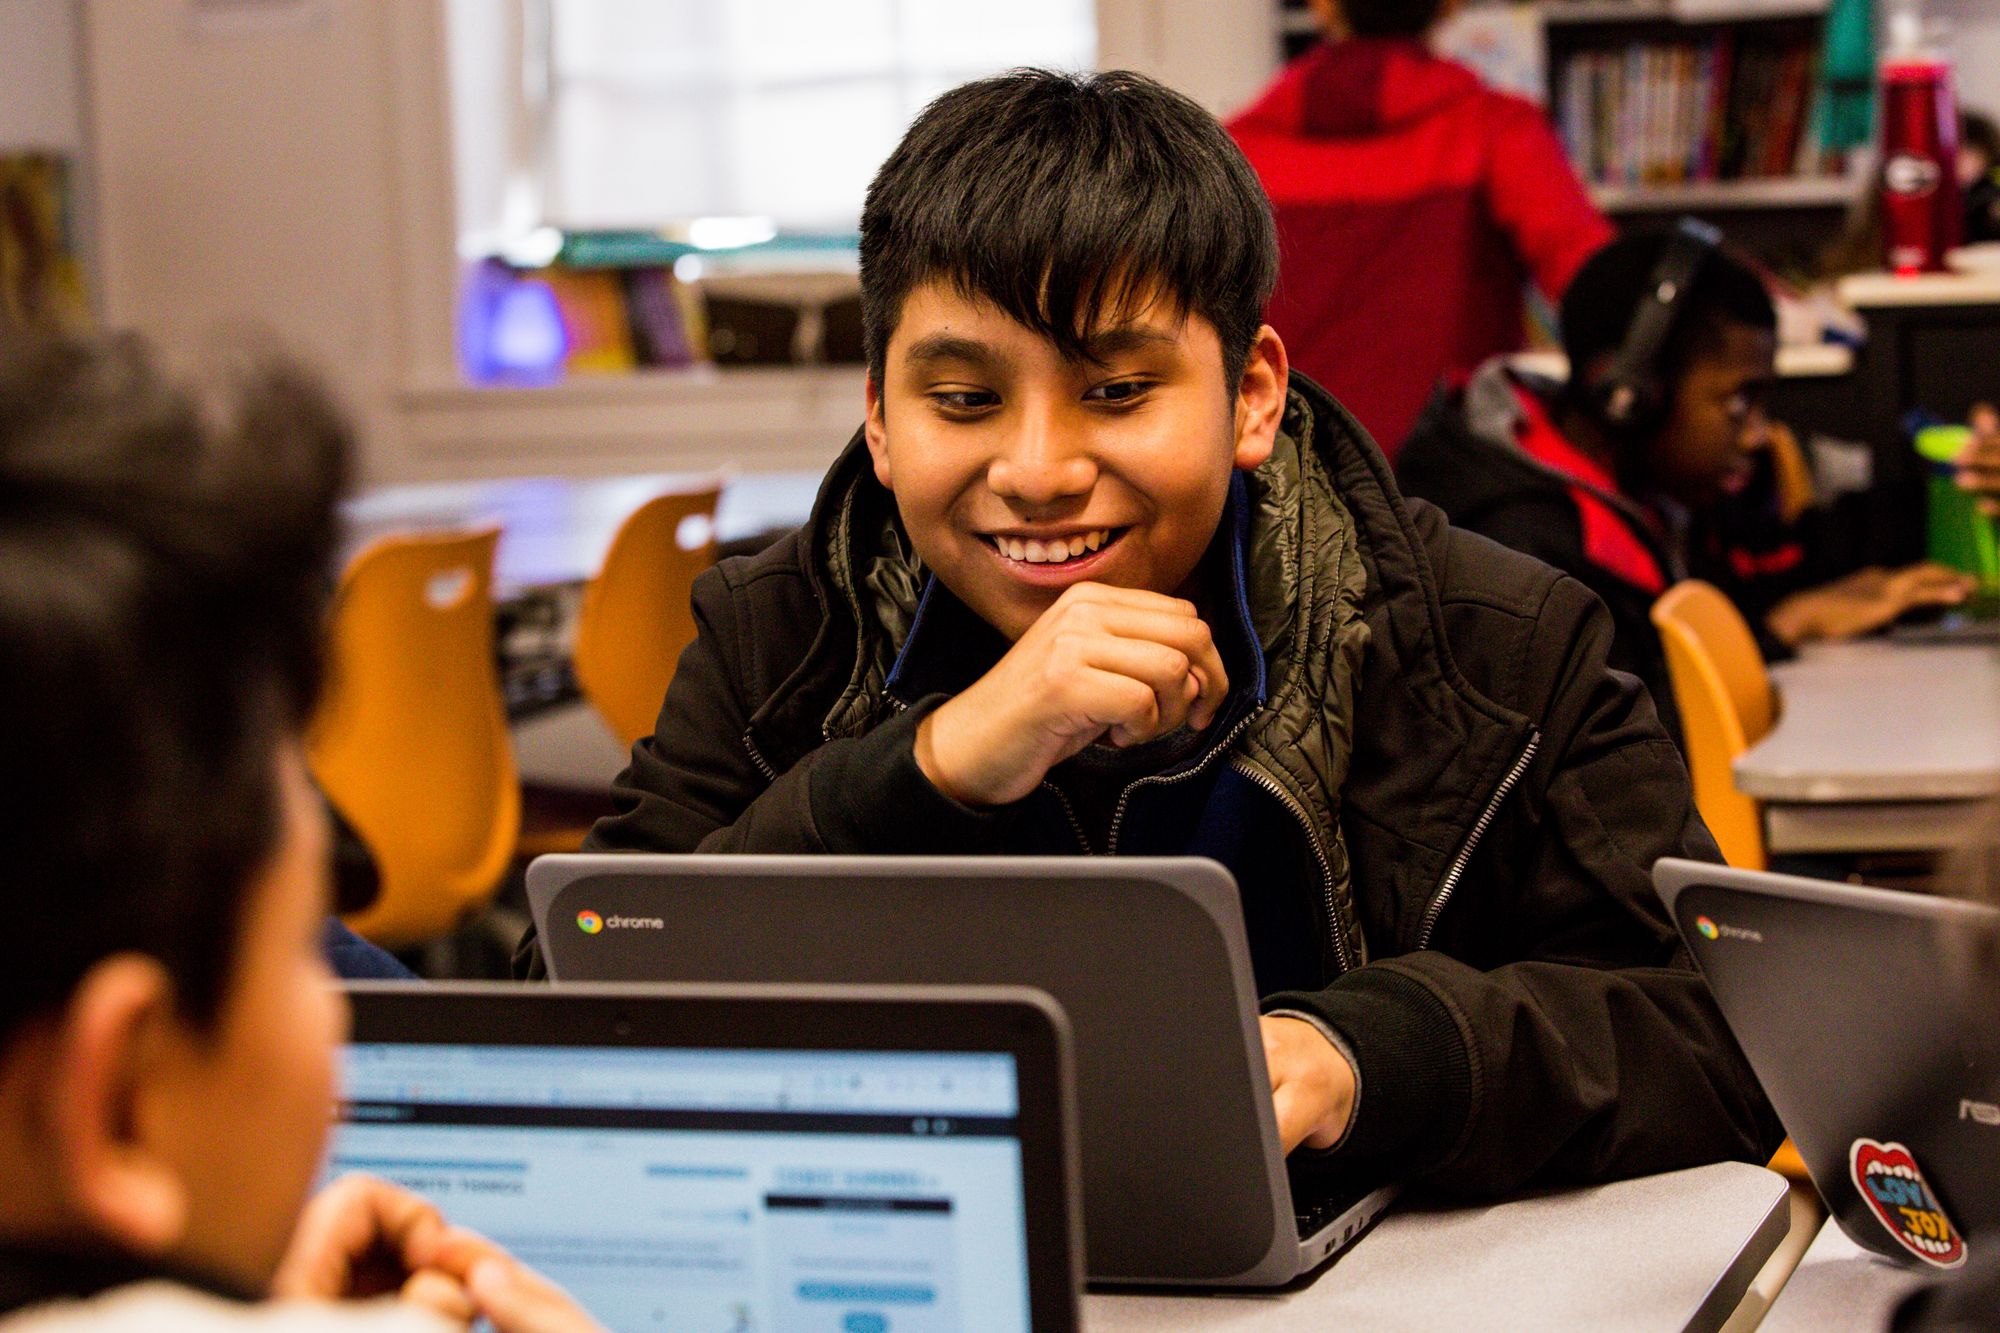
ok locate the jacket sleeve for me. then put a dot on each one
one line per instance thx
(696, 784)
(1536, 198)
(1556, 1032)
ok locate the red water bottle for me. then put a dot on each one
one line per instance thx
(1923, 214)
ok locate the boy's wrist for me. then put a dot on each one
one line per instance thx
(927, 764)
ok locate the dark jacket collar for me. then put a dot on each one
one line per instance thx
(32, 1274)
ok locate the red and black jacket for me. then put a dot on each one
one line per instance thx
(1488, 453)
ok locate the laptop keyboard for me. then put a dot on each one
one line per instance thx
(1320, 1213)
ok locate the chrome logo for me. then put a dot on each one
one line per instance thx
(1708, 929)
(589, 922)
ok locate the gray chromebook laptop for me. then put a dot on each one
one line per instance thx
(1184, 1181)
(1880, 1051)
(737, 1157)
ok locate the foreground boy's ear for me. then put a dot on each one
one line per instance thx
(112, 1039)
(1260, 399)
(876, 431)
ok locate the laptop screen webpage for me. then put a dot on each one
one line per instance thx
(733, 1190)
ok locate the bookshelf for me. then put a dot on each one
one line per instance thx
(1671, 106)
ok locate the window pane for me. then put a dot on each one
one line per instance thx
(670, 109)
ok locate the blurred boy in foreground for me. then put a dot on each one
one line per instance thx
(167, 1041)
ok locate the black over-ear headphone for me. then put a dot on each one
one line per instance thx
(1628, 396)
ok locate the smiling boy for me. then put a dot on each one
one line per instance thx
(1098, 576)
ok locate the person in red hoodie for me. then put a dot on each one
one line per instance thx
(1414, 204)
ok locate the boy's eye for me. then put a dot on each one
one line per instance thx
(965, 400)
(1119, 391)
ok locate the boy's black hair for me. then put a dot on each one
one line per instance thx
(1064, 198)
(1598, 307)
(164, 563)
(1391, 18)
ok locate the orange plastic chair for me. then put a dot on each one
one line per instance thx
(637, 616)
(1726, 704)
(411, 740)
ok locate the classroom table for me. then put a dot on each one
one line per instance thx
(555, 530)
(1880, 746)
(1840, 1285)
(1667, 1252)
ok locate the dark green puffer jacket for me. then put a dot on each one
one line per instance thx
(1484, 799)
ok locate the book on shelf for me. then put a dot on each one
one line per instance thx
(1714, 106)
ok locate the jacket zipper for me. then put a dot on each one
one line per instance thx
(1449, 885)
(1285, 798)
(1318, 845)
(770, 774)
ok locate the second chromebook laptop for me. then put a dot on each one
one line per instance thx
(868, 1159)
(1184, 1180)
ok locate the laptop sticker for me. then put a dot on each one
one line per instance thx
(1894, 1187)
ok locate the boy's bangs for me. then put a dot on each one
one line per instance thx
(1070, 308)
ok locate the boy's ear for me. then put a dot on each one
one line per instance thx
(1260, 399)
(876, 431)
(114, 1037)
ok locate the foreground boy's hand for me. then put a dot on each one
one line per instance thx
(362, 1237)
(1312, 1085)
(1117, 664)
(359, 1237)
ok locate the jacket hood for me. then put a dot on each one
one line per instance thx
(1359, 88)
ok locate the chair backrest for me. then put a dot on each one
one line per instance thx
(1726, 705)
(637, 615)
(411, 740)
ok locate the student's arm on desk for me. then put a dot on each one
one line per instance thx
(1555, 1032)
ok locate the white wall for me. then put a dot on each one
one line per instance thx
(40, 100)
(1976, 45)
(1219, 52)
(252, 171)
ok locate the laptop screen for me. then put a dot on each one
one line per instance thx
(727, 1189)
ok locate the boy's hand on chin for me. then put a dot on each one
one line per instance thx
(1114, 664)
(1312, 1085)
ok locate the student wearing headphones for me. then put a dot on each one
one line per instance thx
(1656, 461)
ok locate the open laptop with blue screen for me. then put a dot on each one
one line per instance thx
(736, 1158)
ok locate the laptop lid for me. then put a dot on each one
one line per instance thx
(1184, 1175)
(737, 1157)
(1857, 1009)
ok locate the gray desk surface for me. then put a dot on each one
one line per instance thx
(1881, 721)
(1665, 1252)
(1840, 1285)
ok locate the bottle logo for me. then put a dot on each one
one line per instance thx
(1911, 176)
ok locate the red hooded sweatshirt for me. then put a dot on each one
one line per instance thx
(1413, 205)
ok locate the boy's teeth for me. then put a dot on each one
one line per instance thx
(1032, 551)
